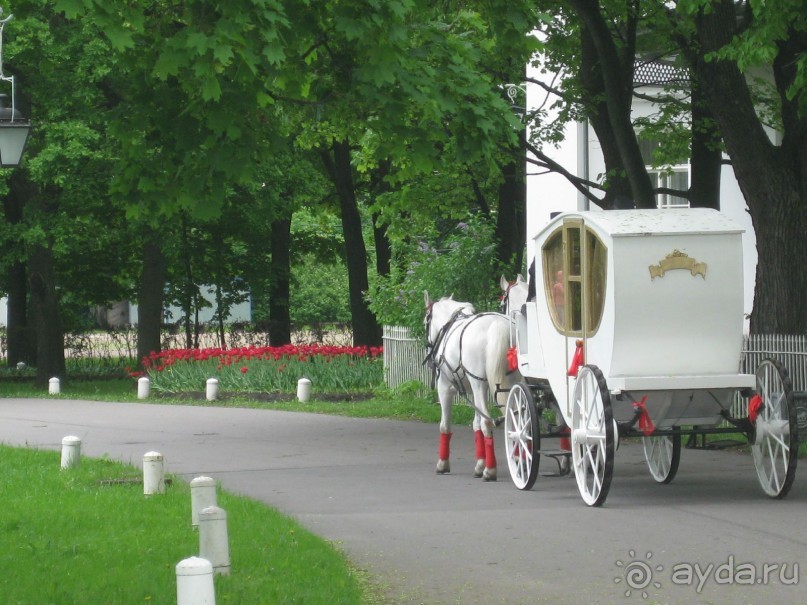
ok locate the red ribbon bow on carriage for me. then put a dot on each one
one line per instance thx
(645, 422)
(578, 359)
(512, 359)
(754, 406)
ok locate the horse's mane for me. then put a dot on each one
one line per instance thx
(453, 305)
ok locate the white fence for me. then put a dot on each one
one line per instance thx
(403, 356)
(791, 351)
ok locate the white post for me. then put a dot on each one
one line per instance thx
(71, 451)
(53, 386)
(213, 541)
(143, 387)
(195, 582)
(303, 390)
(203, 495)
(212, 391)
(153, 474)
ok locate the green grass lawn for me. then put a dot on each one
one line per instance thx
(67, 538)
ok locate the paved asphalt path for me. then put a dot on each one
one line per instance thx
(370, 487)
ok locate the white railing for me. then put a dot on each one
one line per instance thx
(403, 357)
(791, 351)
(403, 360)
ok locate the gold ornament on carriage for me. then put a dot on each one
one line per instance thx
(677, 260)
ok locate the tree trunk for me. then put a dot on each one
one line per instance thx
(383, 247)
(21, 345)
(366, 330)
(706, 161)
(279, 287)
(189, 289)
(618, 192)
(150, 297)
(511, 231)
(781, 281)
(773, 179)
(45, 316)
(220, 317)
(617, 77)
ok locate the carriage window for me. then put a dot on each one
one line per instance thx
(596, 260)
(574, 279)
(553, 279)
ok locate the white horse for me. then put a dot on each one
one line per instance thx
(468, 351)
(514, 294)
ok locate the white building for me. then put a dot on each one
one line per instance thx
(580, 153)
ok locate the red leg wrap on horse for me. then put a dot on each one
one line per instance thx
(565, 442)
(479, 440)
(445, 439)
(490, 453)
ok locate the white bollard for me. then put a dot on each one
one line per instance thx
(53, 386)
(195, 582)
(212, 391)
(153, 474)
(213, 541)
(303, 390)
(143, 387)
(203, 495)
(71, 451)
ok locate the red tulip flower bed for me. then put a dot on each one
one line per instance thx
(331, 369)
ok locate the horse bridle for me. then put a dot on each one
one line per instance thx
(505, 297)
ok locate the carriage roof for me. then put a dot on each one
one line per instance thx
(625, 223)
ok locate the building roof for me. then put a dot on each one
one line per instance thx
(659, 73)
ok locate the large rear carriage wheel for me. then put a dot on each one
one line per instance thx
(775, 437)
(592, 436)
(522, 436)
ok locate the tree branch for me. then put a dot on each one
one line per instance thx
(582, 185)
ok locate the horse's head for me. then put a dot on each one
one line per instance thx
(514, 294)
(440, 312)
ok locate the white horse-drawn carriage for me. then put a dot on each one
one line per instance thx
(635, 330)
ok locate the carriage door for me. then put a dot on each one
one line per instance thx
(575, 267)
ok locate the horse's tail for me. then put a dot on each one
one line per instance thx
(496, 358)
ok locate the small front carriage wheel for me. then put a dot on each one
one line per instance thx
(663, 453)
(522, 436)
(775, 436)
(592, 436)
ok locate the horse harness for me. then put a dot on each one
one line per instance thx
(435, 352)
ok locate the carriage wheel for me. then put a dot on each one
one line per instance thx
(663, 453)
(775, 437)
(522, 436)
(592, 436)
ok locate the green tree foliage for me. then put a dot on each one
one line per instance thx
(68, 247)
(746, 62)
(459, 263)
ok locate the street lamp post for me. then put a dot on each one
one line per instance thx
(14, 128)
